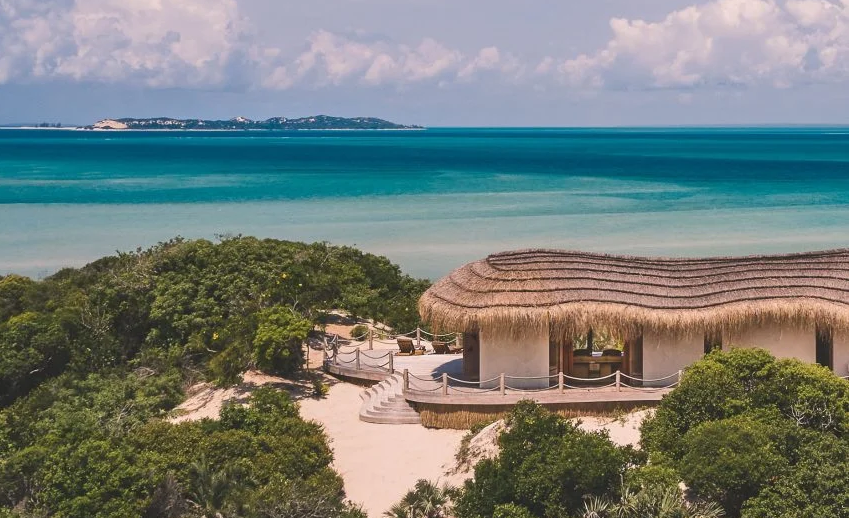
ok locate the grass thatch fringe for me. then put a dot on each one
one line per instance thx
(569, 292)
(464, 417)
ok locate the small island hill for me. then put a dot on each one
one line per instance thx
(316, 122)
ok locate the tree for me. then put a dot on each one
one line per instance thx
(731, 460)
(279, 339)
(816, 487)
(426, 500)
(546, 465)
(653, 501)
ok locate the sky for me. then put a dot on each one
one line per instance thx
(430, 62)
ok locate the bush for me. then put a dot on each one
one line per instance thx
(511, 511)
(708, 391)
(359, 332)
(656, 501)
(425, 500)
(731, 460)
(816, 487)
(279, 339)
(546, 465)
(727, 384)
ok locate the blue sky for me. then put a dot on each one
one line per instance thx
(433, 62)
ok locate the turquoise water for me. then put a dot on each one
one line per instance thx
(430, 200)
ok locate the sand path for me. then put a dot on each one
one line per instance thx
(379, 463)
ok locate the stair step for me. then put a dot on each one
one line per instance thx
(391, 420)
(384, 403)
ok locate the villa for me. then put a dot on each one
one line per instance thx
(532, 314)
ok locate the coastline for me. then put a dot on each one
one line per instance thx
(177, 130)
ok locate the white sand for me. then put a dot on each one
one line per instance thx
(205, 400)
(624, 431)
(379, 463)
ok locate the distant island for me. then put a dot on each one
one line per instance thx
(318, 122)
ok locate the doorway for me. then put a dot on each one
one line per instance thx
(825, 347)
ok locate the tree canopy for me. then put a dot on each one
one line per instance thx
(93, 359)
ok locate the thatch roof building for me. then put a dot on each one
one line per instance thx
(511, 296)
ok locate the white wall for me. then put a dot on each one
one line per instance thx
(665, 354)
(525, 355)
(841, 354)
(782, 342)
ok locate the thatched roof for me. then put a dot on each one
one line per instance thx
(573, 291)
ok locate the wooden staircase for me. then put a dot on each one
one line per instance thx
(384, 403)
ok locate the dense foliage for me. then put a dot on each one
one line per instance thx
(749, 435)
(425, 500)
(545, 467)
(759, 435)
(92, 360)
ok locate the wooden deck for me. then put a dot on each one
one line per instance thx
(631, 396)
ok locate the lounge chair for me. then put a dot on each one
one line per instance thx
(453, 348)
(406, 346)
(440, 347)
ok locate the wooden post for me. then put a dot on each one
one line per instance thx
(444, 383)
(418, 338)
(358, 358)
(618, 381)
(406, 380)
(502, 385)
(370, 339)
(680, 374)
(391, 363)
(560, 384)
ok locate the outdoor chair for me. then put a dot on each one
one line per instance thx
(440, 348)
(406, 346)
(453, 348)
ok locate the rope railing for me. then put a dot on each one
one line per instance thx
(502, 384)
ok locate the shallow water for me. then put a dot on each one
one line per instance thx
(429, 200)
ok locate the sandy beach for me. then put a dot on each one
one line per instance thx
(380, 462)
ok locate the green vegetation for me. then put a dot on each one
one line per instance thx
(359, 331)
(749, 435)
(545, 467)
(425, 500)
(93, 359)
(756, 434)
(316, 122)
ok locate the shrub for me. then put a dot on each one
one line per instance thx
(663, 501)
(511, 511)
(816, 487)
(278, 343)
(708, 391)
(546, 465)
(726, 384)
(731, 460)
(425, 500)
(359, 332)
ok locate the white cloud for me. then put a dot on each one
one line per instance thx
(159, 43)
(205, 44)
(722, 42)
(209, 44)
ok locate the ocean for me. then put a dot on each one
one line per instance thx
(429, 200)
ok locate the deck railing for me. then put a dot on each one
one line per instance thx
(560, 383)
(372, 337)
